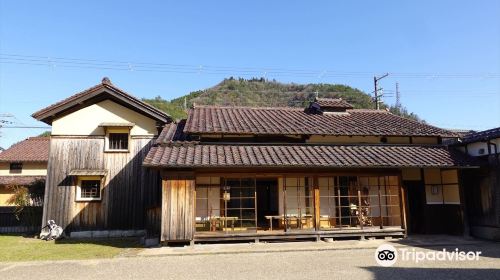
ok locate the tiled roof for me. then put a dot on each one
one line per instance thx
(481, 135)
(249, 120)
(33, 149)
(20, 180)
(173, 132)
(310, 156)
(105, 87)
(333, 103)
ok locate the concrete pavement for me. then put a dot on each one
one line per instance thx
(311, 260)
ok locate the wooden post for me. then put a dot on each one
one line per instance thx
(255, 204)
(340, 206)
(402, 205)
(316, 204)
(463, 205)
(380, 205)
(194, 210)
(359, 210)
(285, 221)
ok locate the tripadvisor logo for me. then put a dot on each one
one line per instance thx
(387, 255)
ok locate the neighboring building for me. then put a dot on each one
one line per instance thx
(23, 164)
(118, 166)
(483, 186)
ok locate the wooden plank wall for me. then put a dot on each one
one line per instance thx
(129, 188)
(178, 198)
(29, 219)
(153, 221)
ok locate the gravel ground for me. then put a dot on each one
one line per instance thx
(344, 263)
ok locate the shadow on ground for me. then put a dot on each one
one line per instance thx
(488, 248)
(383, 273)
(122, 242)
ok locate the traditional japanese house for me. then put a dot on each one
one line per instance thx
(23, 165)
(96, 185)
(483, 185)
(325, 171)
(236, 173)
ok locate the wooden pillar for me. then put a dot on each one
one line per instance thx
(463, 205)
(402, 205)
(360, 209)
(381, 217)
(285, 220)
(316, 204)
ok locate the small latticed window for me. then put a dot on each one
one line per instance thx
(90, 189)
(118, 141)
(16, 167)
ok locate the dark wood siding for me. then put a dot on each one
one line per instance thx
(177, 207)
(27, 221)
(482, 188)
(127, 190)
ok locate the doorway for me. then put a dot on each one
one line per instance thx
(415, 191)
(267, 201)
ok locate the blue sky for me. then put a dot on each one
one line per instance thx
(444, 54)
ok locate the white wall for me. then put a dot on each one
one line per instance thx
(29, 169)
(473, 148)
(86, 121)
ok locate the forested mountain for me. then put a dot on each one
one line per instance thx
(259, 92)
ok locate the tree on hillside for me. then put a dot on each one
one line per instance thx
(260, 92)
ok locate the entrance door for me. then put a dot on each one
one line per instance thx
(267, 201)
(416, 202)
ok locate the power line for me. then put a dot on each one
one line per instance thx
(386, 91)
(55, 62)
(38, 127)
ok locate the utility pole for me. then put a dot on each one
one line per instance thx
(375, 82)
(398, 101)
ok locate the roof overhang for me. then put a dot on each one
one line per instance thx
(20, 180)
(306, 156)
(110, 124)
(95, 95)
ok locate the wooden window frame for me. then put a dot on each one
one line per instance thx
(116, 130)
(79, 198)
(441, 190)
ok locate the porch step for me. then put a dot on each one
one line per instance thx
(275, 235)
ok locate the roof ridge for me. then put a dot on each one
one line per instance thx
(249, 107)
(366, 110)
(329, 98)
(38, 138)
